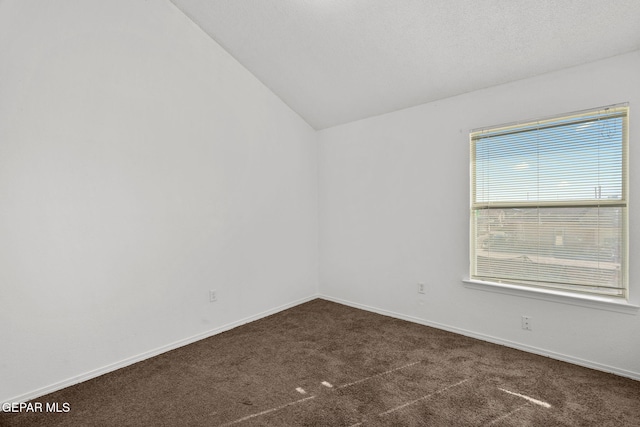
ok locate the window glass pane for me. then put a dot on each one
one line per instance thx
(552, 247)
(578, 161)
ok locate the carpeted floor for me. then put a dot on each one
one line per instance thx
(325, 364)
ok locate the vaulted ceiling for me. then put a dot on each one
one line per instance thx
(336, 61)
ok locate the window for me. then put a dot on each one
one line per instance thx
(549, 203)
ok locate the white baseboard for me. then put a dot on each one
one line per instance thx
(494, 340)
(151, 353)
(177, 344)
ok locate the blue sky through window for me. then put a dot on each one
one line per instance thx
(579, 160)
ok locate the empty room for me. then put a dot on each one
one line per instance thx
(319, 213)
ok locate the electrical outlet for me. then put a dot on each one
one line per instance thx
(212, 296)
(421, 288)
(526, 323)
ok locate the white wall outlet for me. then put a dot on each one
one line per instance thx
(421, 288)
(212, 296)
(526, 323)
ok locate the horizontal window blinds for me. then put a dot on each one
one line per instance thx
(549, 202)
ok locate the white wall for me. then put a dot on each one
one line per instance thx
(394, 211)
(140, 166)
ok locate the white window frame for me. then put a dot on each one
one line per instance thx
(536, 289)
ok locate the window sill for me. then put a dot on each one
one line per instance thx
(591, 301)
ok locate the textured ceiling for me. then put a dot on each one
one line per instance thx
(335, 61)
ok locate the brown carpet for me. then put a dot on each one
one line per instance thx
(325, 364)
